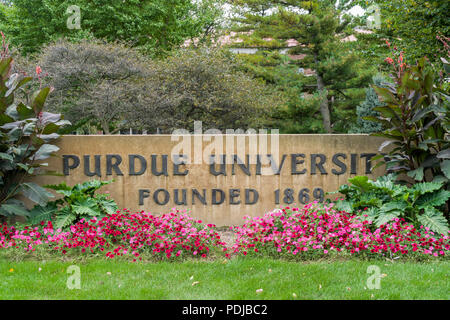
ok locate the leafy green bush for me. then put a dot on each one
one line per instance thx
(383, 200)
(26, 133)
(79, 201)
(415, 112)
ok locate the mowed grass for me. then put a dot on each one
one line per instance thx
(234, 279)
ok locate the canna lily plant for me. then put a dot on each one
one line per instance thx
(26, 136)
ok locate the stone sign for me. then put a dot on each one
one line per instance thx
(219, 178)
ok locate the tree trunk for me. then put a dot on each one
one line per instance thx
(324, 108)
(105, 127)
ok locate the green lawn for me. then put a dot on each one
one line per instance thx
(235, 279)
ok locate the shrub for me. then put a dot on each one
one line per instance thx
(383, 200)
(366, 110)
(105, 83)
(118, 88)
(415, 113)
(79, 201)
(26, 134)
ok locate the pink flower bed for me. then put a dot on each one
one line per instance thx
(122, 234)
(319, 231)
(311, 232)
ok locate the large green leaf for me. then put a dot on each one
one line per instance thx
(434, 219)
(445, 167)
(5, 156)
(57, 187)
(361, 182)
(367, 201)
(345, 206)
(36, 193)
(420, 113)
(417, 174)
(40, 213)
(386, 95)
(87, 206)
(91, 186)
(39, 99)
(24, 112)
(393, 206)
(5, 66)
(384, 217)
(434, 199)
(45, 151)
(108, 205)
(372, 214)
(14, 208)
(64, 220)
(426, 187)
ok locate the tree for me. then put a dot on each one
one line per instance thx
(156, 26)
(97, 81)
(366, 109)
(318, 27)
(413, 25)
(115, 88)
(204, 84)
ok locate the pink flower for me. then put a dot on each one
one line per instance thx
(389, 60)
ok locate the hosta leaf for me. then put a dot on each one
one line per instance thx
(36, 193)
(386, 135)
(375, 119)
(434, 199)
(434, 219)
